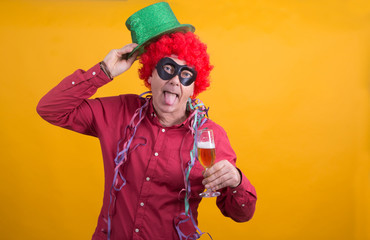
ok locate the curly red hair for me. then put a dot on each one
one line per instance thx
(187, 47)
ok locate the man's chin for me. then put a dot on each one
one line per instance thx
(167, 108)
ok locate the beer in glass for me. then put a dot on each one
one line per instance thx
(206, 155)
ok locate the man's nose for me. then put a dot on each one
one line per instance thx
(175, 80)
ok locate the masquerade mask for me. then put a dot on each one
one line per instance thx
(168, 68)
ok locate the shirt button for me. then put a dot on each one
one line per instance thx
(163, 130)
(93, 73)
(148, 178)
(234, 191)
(142, 204)
(137, 230)
(73, 83)
(156, 154)
(243, 205)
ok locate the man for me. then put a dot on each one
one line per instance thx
(152, 182)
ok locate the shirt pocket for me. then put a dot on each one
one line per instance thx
(168, 170)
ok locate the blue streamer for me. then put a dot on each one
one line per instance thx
(200, 117)
(121, 158)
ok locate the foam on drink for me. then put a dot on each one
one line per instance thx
(206, 145)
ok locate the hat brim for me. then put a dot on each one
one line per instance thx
(180, 28)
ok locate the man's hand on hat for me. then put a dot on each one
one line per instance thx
(116, 61)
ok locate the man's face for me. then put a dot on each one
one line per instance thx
(170, 96)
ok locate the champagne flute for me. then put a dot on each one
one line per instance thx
(206, 155)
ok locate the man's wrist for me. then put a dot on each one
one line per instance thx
(105, 69)
(240, 177)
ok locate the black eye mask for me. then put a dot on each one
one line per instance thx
(178, 70)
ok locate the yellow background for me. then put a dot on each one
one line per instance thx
(290, 86)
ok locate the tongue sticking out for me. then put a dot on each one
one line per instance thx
(169, 98)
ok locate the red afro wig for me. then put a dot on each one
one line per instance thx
(187, 47)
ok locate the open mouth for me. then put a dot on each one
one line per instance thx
(169, 97)
(167, 92)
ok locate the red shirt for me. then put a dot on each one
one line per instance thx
(146, 207)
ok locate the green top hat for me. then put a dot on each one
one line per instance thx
(152, 22)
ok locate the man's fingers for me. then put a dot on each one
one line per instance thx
(215, 168)
(222, 174)
(132, 59)
(216, 177)
(116, 60)
(221, 185)
(126, 49)
(218, 182)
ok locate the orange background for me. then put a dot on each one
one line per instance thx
(290, 86)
